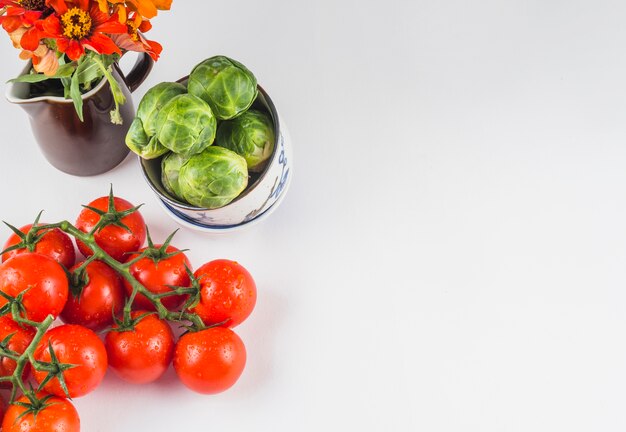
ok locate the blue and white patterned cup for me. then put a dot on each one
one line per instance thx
(262, 196)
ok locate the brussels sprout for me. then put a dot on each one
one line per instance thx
(225, 84)
(141, 135)
(170, 167)
(250, 135)
(213, 178)
(186, 125)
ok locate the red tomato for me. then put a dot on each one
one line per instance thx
(3, 408)
(115, 240)
(102, 297)
(141, 355)
(76, 345)
(54, 243)
(59, 415)
(44, 279)
(157, 275)
(210, 361)
(21, 339)
(227, 293)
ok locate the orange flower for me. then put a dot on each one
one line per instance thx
(145, 8)
(134, 39)
(44, 59)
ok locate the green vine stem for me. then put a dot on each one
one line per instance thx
(26, 357)
(187, 319)
(123, 269)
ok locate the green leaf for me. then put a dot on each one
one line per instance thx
(88, 71)
(64, 71)
(118, 96)
(30, 78)
(67, 82)
(76, 96)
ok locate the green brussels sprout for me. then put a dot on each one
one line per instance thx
(225, 84)
(170, 167)
(213, 178)
(186, 125)
(250, 135)
(141, 137)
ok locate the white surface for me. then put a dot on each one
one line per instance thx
(451, 254)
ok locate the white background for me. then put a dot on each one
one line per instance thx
(451, 254)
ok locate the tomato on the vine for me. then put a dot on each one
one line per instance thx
(227, 293)
(116, 240)
(53, 243)
(21, 337)
(99, 299)
(143, 354)
(57, 415)
(210, 361)
(42, 281)
(3, 409)
(72, 345)
(158, 275)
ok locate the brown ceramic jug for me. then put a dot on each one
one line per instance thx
(90, 147)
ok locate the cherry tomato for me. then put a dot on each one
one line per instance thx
(102, 297)
(210, 361)
(3, 408)
(43, 279)
(19, 342)
(54, 243)
(59, 415)
(156, 275)
(115, 240)
(141, 355)
(227, 293)
(76, 345)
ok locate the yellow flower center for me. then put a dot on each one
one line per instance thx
(36, 5)
(132, 30)
(76, 23)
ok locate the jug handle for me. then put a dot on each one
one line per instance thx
(139, 72)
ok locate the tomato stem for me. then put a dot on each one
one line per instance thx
(26, 357)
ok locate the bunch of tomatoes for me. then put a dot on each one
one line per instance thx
(127, 293)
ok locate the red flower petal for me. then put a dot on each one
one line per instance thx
(75, 50)
(31, 16)
(98, 17)
(51, 26)
(125, 42)
(63, 44)
(15, 11)
(145, 26)
(11, 23)
(59, 6)
(102, 44)
(153, 48)
(30, 40)
(112, 26)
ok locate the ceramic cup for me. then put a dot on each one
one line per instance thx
(264, 193)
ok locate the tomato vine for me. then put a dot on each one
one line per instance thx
(15, 308)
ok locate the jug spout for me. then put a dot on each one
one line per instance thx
(18, 93)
